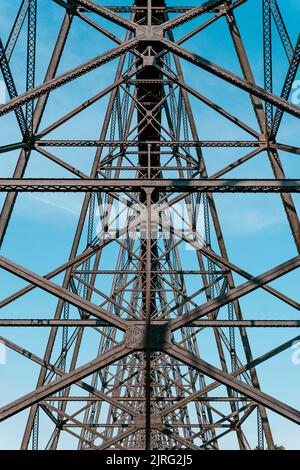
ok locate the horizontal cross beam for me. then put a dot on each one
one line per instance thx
(40, 322)
(163, 143)
(168, 185)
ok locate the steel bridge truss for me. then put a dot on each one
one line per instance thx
(151, 383)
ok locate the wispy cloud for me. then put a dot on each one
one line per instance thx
(251, 221)
(55, 204)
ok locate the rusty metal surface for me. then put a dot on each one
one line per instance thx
(149, 382)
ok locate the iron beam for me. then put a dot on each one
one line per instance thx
(65, 381)
(226, 379)
(134, 185)
(236, 293)
(62, 293)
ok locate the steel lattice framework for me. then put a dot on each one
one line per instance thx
(151, 383)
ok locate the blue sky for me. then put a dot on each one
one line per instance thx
(256, 232)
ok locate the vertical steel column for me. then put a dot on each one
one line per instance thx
(149, 95)
(148, 308)
(16, 29)
(12, 90)
(31, 55)
(268, 69)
